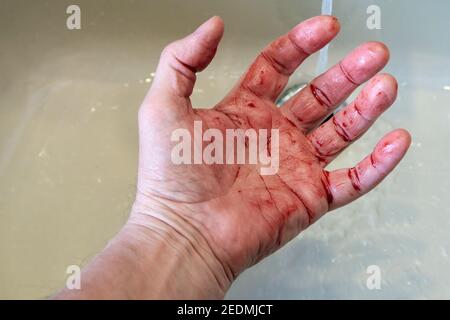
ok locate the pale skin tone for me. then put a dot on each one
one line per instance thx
(194, 228)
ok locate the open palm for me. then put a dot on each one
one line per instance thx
(239, 215)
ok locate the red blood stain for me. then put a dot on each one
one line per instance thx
(279, 87)
(319, 143)
(372, 160)
(261, 78)
(326, 186)
(283, 219)
(340, 131)
(237, 173)
(298, 118)
(289, 121)
(357, 109)
(347, 75)
(320, 96)
(299, 196)
(270, 201)
(251, 105)
(354, 178)
(320, 158)
(250, 122)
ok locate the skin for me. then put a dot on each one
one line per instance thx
(194, 228)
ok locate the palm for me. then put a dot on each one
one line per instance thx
(244, 215)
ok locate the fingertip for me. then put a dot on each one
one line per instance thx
(394, 144)
(212, 29)
(316, 32)
(331, 23)
(401, 134)
(382, 91)
(388, 79)
(379, 48)
(405, 136)
(217, 22)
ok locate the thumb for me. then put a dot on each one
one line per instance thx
(181, 60)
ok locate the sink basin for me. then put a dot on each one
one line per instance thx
(68, 141)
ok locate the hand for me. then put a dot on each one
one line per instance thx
(232, 214)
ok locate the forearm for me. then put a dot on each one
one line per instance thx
(151, 261)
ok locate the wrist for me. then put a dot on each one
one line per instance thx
(173, 257)
(152, 257)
